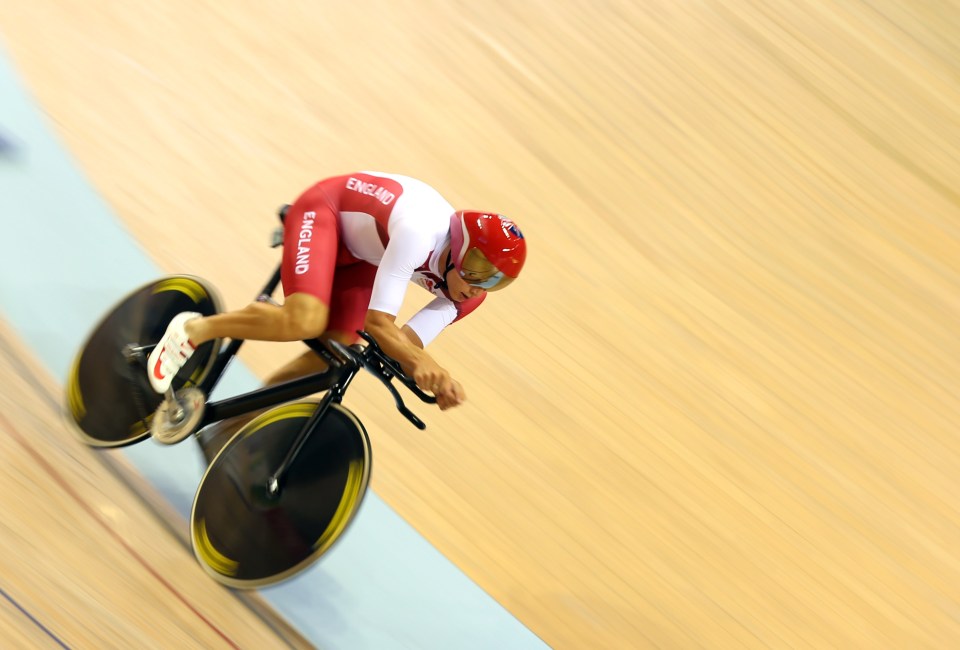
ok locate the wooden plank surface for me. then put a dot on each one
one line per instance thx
(88, 564)
(720, 408)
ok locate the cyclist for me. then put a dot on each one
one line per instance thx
(351, 245)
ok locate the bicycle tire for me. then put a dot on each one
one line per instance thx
(245, 539)
(108, 399)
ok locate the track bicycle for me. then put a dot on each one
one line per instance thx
(285, 486)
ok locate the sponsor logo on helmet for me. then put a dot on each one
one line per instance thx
(510, 228)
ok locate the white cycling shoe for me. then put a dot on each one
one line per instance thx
(172, 352)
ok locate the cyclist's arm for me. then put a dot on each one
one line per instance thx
(439, 314)
(405, 346)
(407, 249)
(402, 344)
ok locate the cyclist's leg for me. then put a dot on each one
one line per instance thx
(352, 288)
(298, 318)
(310, 247)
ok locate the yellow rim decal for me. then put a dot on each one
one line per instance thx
(297, 410)
(191, 288)
(214, 558)
(351, 492)
(74, 398)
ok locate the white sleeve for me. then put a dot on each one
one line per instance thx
(407, 250)
(432, 319)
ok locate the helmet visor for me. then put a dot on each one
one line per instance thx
(478, 271)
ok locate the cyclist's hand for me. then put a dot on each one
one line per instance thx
(432, 378)
(452, 396)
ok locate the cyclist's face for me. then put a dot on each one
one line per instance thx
(459, 288)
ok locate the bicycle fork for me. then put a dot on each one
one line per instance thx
(334, 395)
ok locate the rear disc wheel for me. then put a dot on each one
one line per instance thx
(108, 396)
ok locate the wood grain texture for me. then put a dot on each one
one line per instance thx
(720, 408)
(86, 562)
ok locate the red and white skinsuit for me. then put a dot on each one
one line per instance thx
(356, 241)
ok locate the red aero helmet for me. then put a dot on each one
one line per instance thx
(487, 249)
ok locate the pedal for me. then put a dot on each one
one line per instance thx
(175, 420)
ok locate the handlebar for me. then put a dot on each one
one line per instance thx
(384, 368)
(395, 370)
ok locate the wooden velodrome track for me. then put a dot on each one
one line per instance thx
(719, 410)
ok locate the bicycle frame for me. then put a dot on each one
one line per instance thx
(343, 364)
